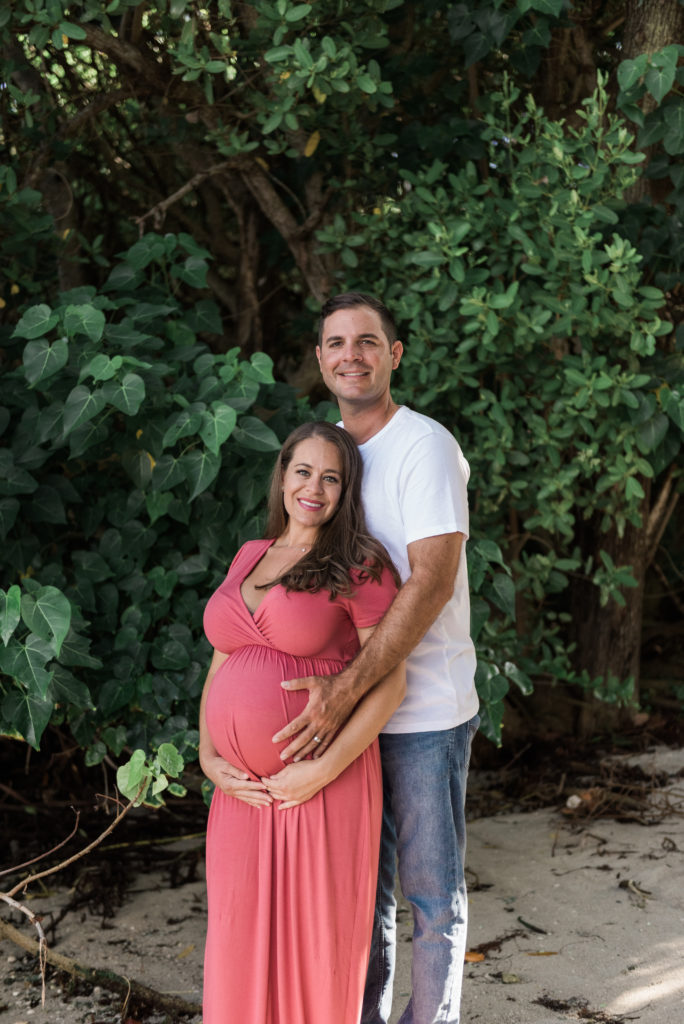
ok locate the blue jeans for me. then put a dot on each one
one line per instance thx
(424, 780)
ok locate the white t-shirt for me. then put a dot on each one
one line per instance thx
(414, 486)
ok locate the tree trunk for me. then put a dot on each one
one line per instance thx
(648, 28)
(608, 638)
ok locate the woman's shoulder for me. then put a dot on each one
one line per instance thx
(363, 577)
(249, 550)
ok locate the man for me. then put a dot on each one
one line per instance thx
(414, 495)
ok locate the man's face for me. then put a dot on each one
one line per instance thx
(355, 357)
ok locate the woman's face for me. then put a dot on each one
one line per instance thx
(312, 483)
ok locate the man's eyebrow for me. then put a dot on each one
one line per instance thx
(339, 337)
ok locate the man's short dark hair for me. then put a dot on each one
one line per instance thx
(352, 300)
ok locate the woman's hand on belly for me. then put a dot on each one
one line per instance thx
(233, 782)
(297, 783)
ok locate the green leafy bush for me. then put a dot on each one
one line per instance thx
(532, 334)
(135, 459)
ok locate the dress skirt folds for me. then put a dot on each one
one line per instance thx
(291, 893)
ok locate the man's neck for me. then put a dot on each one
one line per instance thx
(363, 422)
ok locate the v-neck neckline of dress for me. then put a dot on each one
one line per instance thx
(252, 614)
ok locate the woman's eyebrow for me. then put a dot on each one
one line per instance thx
(307, 465)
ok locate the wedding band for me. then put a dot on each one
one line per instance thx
(317, 739)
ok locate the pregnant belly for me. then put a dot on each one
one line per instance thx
(246, 705)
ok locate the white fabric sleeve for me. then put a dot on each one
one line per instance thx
(433, 488)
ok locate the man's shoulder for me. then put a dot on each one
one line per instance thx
(421, 425)
(418, 434)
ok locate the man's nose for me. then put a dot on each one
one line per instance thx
(352, 352)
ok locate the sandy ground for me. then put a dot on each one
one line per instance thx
(576, 919)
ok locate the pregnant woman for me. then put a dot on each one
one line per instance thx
(292, 851)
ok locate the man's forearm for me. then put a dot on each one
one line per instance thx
(404, 625)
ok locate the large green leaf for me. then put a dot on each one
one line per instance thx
(552, 7)
(84, 320)
(75, 651)
(81, 405)
(10, 612)
(674, 120)
(127, 394)
(254, 434)
(25, 661)
(47, 614)
(134, 778)
(36, 322)
(672, 401)
(659, 81)
(193, 272)
(42, 360)
(70, 691)
(261, 367)
(9, 509)
(26, 715)
(200, 469)
(217, 426)
(502, 593)
(46, 506)
(166, 473)
(170, 760)
(14, 479)
(650, 434)
(630, 71)
(242, 393)
(184, 424)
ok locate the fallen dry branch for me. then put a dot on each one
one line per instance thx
(130, 990)
(40, 947)
(42, 856)
(70, 860)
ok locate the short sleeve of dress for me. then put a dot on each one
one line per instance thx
(369, 600)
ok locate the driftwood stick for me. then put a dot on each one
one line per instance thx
(42, 856)
(140, 994)
(8, 897)
(41, 947)
(76, 856)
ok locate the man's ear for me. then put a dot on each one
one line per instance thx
(318, 354)
(397, 352)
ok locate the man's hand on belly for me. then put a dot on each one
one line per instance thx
(329, 706)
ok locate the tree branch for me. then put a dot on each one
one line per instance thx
(659, 516)
(279, 215)
(173, 1005)
(157, 212)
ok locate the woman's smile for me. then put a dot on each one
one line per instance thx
(312, 487)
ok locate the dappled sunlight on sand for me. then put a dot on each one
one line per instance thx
(656, 981)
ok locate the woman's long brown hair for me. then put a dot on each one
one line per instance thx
(343, 545)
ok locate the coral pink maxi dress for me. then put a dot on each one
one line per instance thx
(291, 893)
